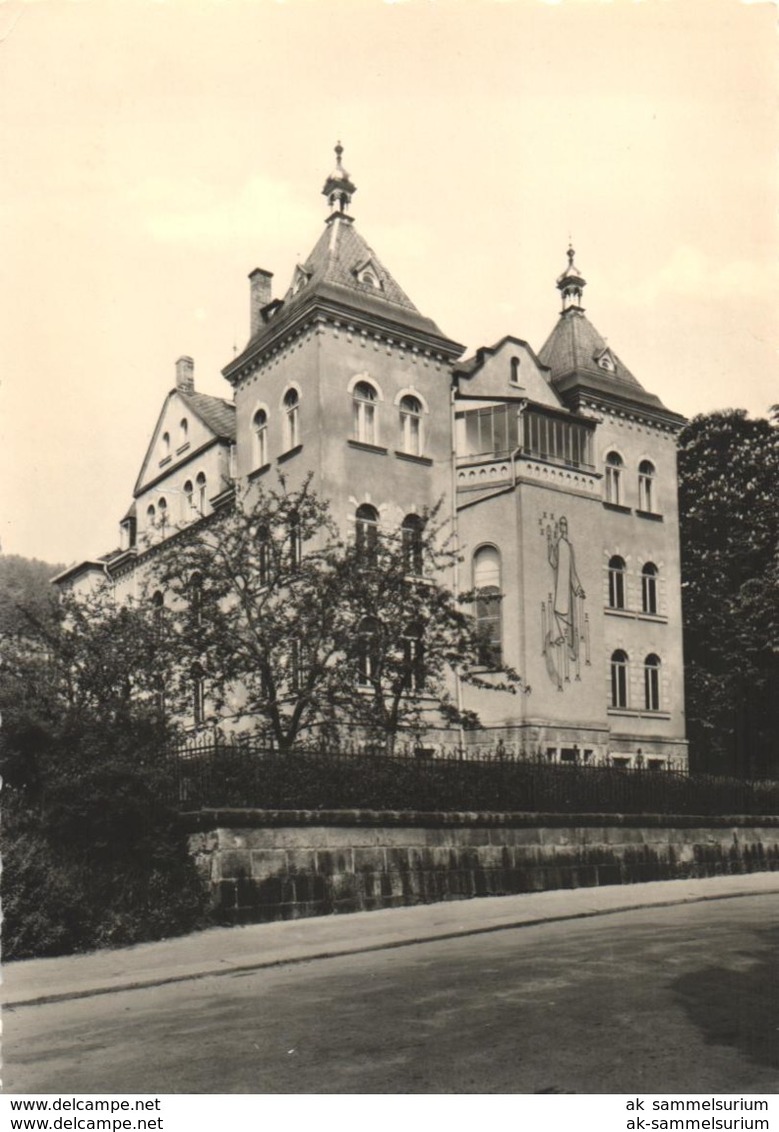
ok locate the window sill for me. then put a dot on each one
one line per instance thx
(259, 471)
(288, 455)
(414, 459)
(635, 615)
(634, 713)
(653, 515)
(165, 461)
(363, 447)
(182, 448)
(616, 507)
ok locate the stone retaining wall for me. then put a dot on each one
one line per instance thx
(271, 865)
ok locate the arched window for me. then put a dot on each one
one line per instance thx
(619, 679)
(646, 488)
(515, 371)
(368, 649)
(165, 444)
(151, 515)
(366, 528)
(200, 483)
(649, 588)
(162, 510)
(292, 423)
(652, 683)
(411, 426)
(260, 425)
(616, 582)
(295, 541)
(614, 478)
(487, 584)
(189, 499)
(364, 400)
(183, 431)
(413, 658)
(198, 694)
(411, 534)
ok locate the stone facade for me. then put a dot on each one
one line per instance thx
(264, 865)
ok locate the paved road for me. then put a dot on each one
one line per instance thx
(682, 999)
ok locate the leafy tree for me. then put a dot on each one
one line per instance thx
(295, 628)
(408, 635)
(91, 851)
(728, 480)
(26, 593)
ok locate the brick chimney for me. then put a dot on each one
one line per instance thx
(185, 375)
(260, 282)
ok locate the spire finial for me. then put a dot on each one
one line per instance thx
(571, 283)
(339, 188)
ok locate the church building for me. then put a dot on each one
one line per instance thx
(557, 471)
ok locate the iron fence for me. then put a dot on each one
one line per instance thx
(219, 774)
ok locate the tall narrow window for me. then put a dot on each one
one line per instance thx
(196, 599)
(515, 371)
(364, 412)
(200, 482)
(652, 683)
(292, 423)
(487, 584)
(619, 679)
(158, 612)
(413, 553)
(616, 582)
(151, 515)
(198, 694)
(411, 426)
(368, 650)
(413, 658)
(649, 588)
(646, 488)
(260, 424)
(295, 541)
(183, 431)
(614, 478)
(264, 555)
(165, 444)
(366, 529)
(189, 500)
(162, 512)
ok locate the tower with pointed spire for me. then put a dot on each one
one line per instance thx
(365, 375)
(556, 470)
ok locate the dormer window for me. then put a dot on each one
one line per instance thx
(607, 361)
(368, 275)
(299, 279)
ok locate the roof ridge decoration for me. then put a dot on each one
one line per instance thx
(339, 189)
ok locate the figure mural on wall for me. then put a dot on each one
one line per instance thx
(565, 625)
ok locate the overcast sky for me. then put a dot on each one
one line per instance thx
(156, 152)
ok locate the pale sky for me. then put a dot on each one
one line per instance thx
(156, 152)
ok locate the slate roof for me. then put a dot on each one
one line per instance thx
(215, 412)
(332, 271)
(571, 352)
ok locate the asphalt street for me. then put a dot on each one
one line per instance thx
(662, 999)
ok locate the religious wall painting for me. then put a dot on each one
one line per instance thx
(565, 625)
